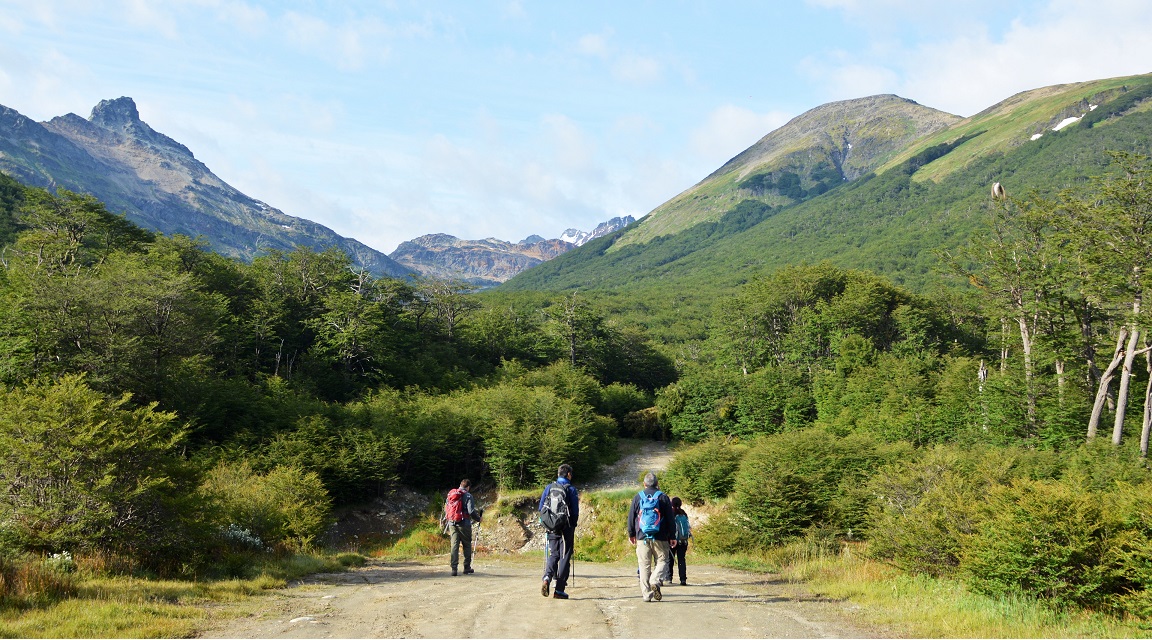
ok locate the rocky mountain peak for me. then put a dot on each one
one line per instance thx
(115, 113)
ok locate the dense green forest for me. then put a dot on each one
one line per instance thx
(163, 403)
(157, 394)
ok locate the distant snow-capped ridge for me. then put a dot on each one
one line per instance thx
(490, 261)
(578, 237)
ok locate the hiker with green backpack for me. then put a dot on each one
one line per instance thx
(652, 528)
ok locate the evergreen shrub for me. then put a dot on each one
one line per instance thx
(795, 480)
(287, 507)
(1043, 539)
(704, 471)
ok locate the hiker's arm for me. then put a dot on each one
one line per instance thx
(632, 520)
(574, 500)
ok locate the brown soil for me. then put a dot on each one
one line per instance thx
(502, 600)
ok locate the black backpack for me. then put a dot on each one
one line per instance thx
(554, 515)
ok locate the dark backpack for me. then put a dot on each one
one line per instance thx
(454, 506)
(648, 517)
(554, 515)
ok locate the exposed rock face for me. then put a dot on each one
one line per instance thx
(579, 238)
(158, 183)
(485, 262)
(490, 261)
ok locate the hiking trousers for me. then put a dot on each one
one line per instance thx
(652, 557)
(461, 537)
(678, 561)
(558, 561)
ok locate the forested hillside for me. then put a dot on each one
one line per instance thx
(157, 395)
(894, 223)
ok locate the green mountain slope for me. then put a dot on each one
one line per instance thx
(893, 223)
(816, 151)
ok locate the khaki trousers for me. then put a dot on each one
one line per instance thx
(652, 558)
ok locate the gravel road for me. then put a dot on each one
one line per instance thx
(502, 600)
(420, 599)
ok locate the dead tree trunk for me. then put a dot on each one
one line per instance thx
(1105, 382)
(1029, 382)
(1126, 375)
(1147, 426)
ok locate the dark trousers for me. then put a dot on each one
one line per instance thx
(678, 560)
(558, 560)
(677, 555)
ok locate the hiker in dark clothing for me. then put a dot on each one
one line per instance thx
(683, 532)
(558, 561)
(651, 527)
(460, 510)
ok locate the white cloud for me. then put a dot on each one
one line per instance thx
(963, 64)
(349, 46)
(150, 16)
(730, 130)
(593, 44)
(637, 69)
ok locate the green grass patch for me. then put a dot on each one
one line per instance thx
(921, 606)
(602, 533)
(111, 606)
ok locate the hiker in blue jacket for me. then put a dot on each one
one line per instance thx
(652, 528)
(558, 560)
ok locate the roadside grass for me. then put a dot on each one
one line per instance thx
(921, 606)
(601, 535)
(98, 605)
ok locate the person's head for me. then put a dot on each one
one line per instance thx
(676, 502)
(565, 471)
(465, 484)
(650, 481)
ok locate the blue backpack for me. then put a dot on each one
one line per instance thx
(648, 517)
(683, 529)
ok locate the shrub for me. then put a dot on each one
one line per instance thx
(1132, 560)
(1042, 539)
(723, 533)
(925, 507)
(286, 506)
(794, 480)
(530, 431)
(705, 471)
(618, 400)
(83, 471)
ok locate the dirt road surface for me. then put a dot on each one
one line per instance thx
(502, 600)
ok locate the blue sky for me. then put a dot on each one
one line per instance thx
(389, 120)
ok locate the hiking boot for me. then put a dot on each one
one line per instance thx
(544, 589)
(469, 570)
(560, 595)
(656, 593)
(453, 572)
(683, 583)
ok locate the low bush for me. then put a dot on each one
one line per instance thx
(1042, 539)
(705, 471)
(924, 507)
(795, 480)
(285, 507)
(726, 533)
